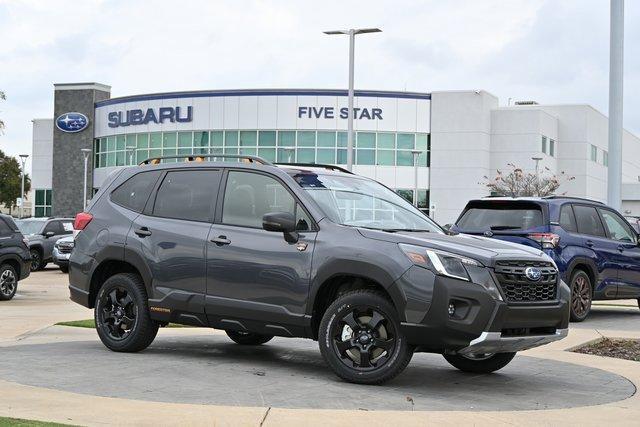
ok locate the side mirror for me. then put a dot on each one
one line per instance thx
(447, 226)
(49, 234)
(283, 222)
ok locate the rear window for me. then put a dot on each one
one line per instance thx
(501, 217)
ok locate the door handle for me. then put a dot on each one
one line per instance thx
(221, 240)
(621, 248)
(589, 243)
(142, 232)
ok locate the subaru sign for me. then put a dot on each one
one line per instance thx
(142, 117)
(72, 122)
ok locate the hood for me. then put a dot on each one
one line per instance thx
(65, 239)
(482, 249)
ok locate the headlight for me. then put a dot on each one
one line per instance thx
(444, 263)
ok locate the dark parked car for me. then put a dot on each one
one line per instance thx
(14, 257)
(595, 248)
(305, 251)
(42, 234)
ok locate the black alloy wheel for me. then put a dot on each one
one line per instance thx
(36, 260)
(360, 338)
(581, 296)
(8, 282)
(363, 339)
(122, 316)
(118, 313)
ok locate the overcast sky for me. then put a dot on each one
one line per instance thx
(554, 51)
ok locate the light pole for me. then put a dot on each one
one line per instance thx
(23, 160)
(537, 160)
(415, 153)
(131, 150)
(352, 38)
(86, 152)
(616, 56)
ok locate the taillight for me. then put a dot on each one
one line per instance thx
(82, 220)
(546, 240)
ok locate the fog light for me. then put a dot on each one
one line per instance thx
(452, 309)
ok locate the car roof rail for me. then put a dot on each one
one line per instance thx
(201, 157)
(572, 198)
(317, 165)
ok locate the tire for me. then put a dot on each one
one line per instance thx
(360, 338)
(64, 269)
(122, 314)
(8, 282)
(581, 296)
(36, 260)
(480, 364)
(248, 338)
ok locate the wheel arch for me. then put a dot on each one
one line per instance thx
(14, 262)
(586, 265)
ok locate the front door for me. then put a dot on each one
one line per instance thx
(172, 232)
(256, 280)
(626, 240)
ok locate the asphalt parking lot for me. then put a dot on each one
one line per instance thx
(203, 366)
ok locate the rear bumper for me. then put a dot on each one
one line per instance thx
(481, 322)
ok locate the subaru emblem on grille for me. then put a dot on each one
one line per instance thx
(533, 273)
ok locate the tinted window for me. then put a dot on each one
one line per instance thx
(588, 220)
(617, 227)
(133, 194)
(5, 230)
(501, 217)
(53, 227)
(248, 196)
(187, 195)
(567, 219)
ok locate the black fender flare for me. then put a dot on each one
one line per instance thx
(591, 265)
(360, 269)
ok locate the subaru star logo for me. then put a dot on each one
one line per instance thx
(72, 122)
(533, 273)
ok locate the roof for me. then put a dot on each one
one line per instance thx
(536, 199)
(263, 92)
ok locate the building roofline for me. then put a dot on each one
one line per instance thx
(262, 92)
(82, 86)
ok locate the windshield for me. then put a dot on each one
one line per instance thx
(27, 227)
(360, 202)
(501, 218)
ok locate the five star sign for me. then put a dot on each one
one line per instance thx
(72, 122)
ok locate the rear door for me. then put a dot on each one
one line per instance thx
(607, 256)
(172, 231)
(509, 220)
(626, 239)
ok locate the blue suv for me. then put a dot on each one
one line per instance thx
(595, 248)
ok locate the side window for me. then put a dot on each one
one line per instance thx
(617, 227)
(67, 227)
(53, 226)
(133, 194)
(5, 230)
(187, 194)
(248, 196)
(567, 219)
(588, 220)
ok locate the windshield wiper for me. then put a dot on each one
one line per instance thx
(504, 227)
(410, 230)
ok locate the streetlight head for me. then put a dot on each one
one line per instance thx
(367, 30)
(86, 150)
(536, 158)
(332, 32)
(23, 156)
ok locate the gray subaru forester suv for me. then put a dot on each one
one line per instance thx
(262, 250)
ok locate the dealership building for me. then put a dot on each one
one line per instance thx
(454, 139)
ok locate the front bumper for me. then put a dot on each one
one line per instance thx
(481, 323)
(60, 259)
(496, 342)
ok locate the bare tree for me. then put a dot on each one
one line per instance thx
(517, 183)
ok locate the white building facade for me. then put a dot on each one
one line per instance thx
(456, 137)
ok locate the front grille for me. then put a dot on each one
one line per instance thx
(517, 288)
(65, 249)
